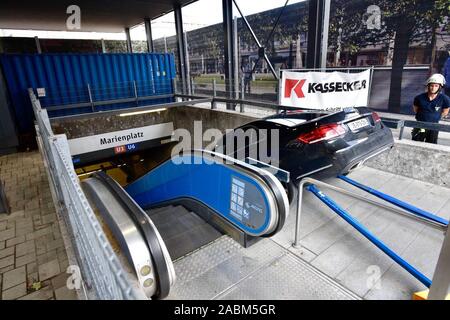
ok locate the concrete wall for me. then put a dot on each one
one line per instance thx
(182, 117)
(422, 161)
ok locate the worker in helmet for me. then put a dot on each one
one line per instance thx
(430, 106)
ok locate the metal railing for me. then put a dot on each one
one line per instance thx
(439, 286)
(242, 100)
(423, 125)
(103, 276)
(92, 98)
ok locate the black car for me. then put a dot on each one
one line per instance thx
(313, 142)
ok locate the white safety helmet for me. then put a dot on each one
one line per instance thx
(436, 78)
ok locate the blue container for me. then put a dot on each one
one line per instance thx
(66, 77)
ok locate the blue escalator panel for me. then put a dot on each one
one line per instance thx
(231, 192)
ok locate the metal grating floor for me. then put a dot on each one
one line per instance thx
(266, 271)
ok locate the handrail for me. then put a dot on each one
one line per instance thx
(437, 290)
(103, 276)
(406, 206)
(306, 181)
(368, 235)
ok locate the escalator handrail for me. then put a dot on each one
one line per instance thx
(282, 203)
(272, 183)
(141, 220)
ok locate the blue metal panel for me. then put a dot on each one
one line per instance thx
(65, 78)
(179, 178)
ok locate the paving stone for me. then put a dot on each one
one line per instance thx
(62, 256)
(7, 234)
(49, 218)
(25, 248)
(28, 258)
(14, 277)
(43, 294)
(13, 215)
(14, 241)
(15, 292)
(43, 232)
(60, 280)
(55, 244)
(6, 269)
(46, 257)
(32, 267)
(64, 264)
(48, 270)
(7, 261)
(24, 231)
(6, 252)
(64, 293)
(32, 213)
(41, 246)
(26, 221)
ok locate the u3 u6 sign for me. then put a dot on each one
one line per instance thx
(325, 90)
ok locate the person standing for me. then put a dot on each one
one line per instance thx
(430, 106)
(247, 70)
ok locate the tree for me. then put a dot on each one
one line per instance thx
(405, 21)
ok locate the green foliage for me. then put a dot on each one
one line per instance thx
(421, 17)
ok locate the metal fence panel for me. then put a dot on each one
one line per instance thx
(102, 273)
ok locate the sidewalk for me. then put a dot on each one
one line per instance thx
(33, 259)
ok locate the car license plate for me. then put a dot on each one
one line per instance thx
(358, 124)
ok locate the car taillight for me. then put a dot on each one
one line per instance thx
(325, 132)
(376, 117)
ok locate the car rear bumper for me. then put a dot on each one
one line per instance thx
(350, 158)
(333, 162)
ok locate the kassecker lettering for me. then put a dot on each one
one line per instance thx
(336, 86)
(126, 138)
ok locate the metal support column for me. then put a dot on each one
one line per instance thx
(127, 34)
(236, 59)
(103, 45)
(325, 27)
(227, 10)
(315, 25)
(190, 81)
(440, 286)
(148, 33)
(181, 49)
(38, 45)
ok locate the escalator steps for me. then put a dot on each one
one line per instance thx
(181, 230)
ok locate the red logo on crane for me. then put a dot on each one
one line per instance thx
(294, 85)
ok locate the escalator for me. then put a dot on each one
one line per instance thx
(184, 205)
